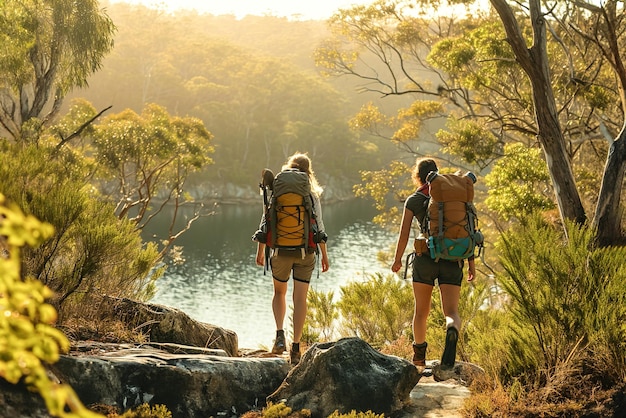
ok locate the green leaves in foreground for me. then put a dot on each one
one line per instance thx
(27, 338)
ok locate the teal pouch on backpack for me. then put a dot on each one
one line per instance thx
(450, 248)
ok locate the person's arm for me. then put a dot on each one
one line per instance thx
(317, 207)
(320, 224)
(471, 269)
(403, 239)
(325, 262)
(260, 254)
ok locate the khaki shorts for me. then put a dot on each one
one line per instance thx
(284, 262)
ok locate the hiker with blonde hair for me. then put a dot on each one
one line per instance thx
(299, 263)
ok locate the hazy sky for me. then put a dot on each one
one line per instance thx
(309, 9)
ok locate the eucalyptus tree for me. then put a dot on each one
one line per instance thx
(49, 48)
(479, 73)
(144, 161)
(601, 26)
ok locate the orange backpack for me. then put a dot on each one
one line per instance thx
(289, 221)
(451, 222)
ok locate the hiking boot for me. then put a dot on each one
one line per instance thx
(419, 355)
(449, 352)
(279, 343)
(294, 354)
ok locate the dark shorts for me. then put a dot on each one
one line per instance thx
(426, 270)
(286, 262)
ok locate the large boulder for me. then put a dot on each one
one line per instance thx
(16, 401)
(200, 384)
(347, 375)
(168, 325)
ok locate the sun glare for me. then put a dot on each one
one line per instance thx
(307, 9)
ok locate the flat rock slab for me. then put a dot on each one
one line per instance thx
(190, 385)
(431, 399)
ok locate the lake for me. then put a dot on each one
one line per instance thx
(220, 284)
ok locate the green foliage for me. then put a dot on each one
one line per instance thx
(145, 411)
(278, 410)
(321, 316)
(382, 187)
(471, 140)
(91, 251)
(354, 414)
(519, 183)
(567, 300)
(148, 156)
(484, 333)
(28, 339)
(378, 310)
(53, 47)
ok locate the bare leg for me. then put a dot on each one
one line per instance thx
(300, 290)
(450, 295)
(279, 304)
(421, 294)
(450, 304)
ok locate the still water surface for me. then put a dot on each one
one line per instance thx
(220, 284)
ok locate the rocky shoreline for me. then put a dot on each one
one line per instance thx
(197, 370)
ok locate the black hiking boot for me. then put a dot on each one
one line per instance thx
(294, 354)
(419, 355)
(279, 343)
(449, 352)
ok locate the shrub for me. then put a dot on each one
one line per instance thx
(91, 251)
(27, 338)
(278, 410)
(145, 411)
(378, 310)
(322, 317)
(354, 414)
(567, 300)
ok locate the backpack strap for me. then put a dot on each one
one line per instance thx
(266, 266)
(424, 190)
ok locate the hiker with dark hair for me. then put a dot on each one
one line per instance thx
(448, 273)
(299, 263)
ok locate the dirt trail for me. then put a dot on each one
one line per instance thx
(431, 399)
(442, 397)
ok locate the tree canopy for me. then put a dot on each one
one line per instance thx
(538, 76)
(49, 48)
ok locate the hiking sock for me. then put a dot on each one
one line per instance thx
(449, 352)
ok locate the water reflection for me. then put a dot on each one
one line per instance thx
(220, 284)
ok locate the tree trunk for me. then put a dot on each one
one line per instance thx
(608, 215)
(534, 62)
(607, 219)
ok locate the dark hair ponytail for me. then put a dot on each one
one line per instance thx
(422, 168)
